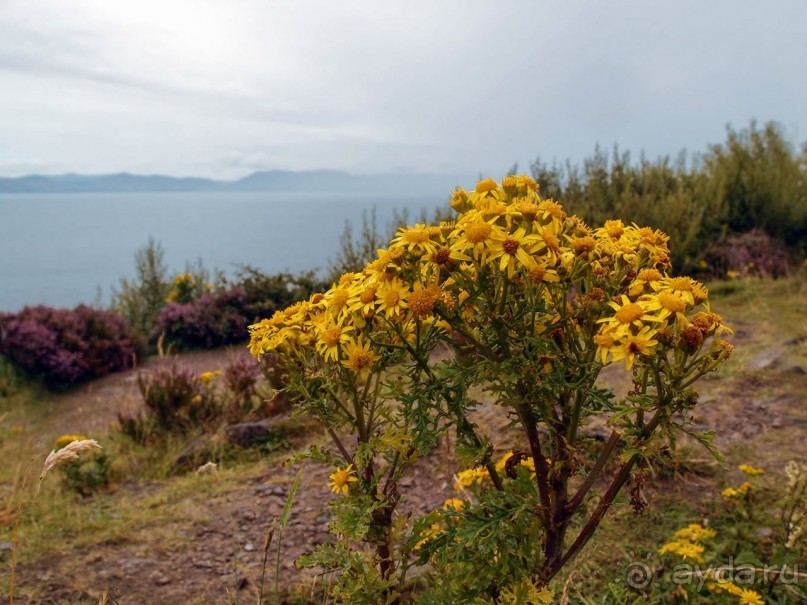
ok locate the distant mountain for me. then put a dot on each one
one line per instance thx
(272, 180)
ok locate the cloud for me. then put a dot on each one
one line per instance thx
(222, 88)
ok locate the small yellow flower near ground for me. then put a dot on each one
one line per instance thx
(751, 471)
(695, 533)
(206, 377)
(428, 534)
(684, 549)
(730, 492)
(750, 597)
(65, 440)
(341, 479)
(454, 503)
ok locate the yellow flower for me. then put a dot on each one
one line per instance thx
(206, 377)
(633, 345)
(669, 304)
(605, 344)
(749, 597)
(684, 549)
(429, 533)
(329, 336)
(363, 299)
(513, 249)
(454, 503)
(685, 287)
(423, 298)
(486, 186)
(502, 463)
(472, 476)
(472, 234)
(459, 200)
(66, 440)
(417, 239)
(341, 479)
(337, 298)
(392, 295)
(359, 357)
(627, 314)
(695, 533)
(751, 471)
(539, 273)
(730, 492)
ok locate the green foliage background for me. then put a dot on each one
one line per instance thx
(755, 179)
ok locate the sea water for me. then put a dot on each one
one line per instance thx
(66, 249)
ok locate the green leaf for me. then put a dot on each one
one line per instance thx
(284, 517)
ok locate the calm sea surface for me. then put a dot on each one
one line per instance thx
(62, 249)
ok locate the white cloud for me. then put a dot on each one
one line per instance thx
(222, 88)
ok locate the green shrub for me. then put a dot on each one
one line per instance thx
(10, 378)
(753, 180)
(86, 474)
(140, 300)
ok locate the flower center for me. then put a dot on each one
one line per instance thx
(614, 229)
(339, 298)
(340, 478)
(367, 296)
(391, 298)
(629, 313)
(422, 301)
(360, 360)
(331, 336)
(551, 241)
(510, 246)
(671, 302)
(441, 257)
(537, 273)
(477, 232)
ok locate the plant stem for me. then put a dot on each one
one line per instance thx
(595, 471)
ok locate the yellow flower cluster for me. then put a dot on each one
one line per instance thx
(207, 377)
(480, 476)
(745, 487)
(687, 543)
(425, 280)
(658, 307)
(184, 285)
(66, 440)
(746, 595)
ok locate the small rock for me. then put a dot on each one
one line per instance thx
(159, 578)
(248, 434)
(765, 359)
(6, 546)
(203, 564)
(249, 547)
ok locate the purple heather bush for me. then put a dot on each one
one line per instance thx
(65, 347)
(212, 320)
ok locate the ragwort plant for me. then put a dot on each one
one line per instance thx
(534, 303)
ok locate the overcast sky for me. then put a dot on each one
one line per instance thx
(223, 88)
